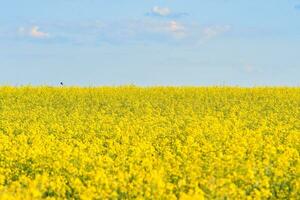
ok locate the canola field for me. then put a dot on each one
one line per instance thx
(149, 143)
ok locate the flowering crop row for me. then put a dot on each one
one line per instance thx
(149, 143)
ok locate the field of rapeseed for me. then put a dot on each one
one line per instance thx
(149, 143)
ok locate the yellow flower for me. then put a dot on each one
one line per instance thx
(149, 143)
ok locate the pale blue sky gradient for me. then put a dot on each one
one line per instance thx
(150, 42)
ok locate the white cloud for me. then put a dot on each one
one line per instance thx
(214, 31)
(36, 33)
(172, 28)
(165, 12)
(33, 32)
(161, 11)
(148, 29)
(176, 28)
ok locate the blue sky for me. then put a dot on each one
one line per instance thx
(150, 42)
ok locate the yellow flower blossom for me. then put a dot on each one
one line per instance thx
(149, 143)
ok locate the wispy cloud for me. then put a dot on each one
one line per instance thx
(177, 29)
(172, 29)
(33, 31)
(210, 32)
(36, 33)
(147, 30)
(156, 10)
(165, 12)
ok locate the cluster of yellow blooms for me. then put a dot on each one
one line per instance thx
(149, 143)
